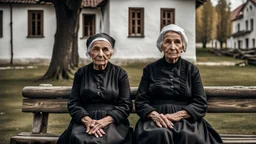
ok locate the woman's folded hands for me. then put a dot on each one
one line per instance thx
(167, 120)
(95, 127)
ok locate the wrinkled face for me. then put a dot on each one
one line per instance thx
(172, 46)
(100, 52)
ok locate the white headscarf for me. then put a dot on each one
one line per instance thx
(175, 28)
(96, 39)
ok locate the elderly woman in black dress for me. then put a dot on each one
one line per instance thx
(100, 100)
(171, 100)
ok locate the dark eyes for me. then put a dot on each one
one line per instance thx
(168, 41)
(177, 41)
(104, 49)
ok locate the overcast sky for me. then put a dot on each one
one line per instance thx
(234, 3)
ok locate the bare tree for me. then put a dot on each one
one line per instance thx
(207, 23)
(223, 30)
(65, 48)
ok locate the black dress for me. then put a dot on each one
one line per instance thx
(168, 88)
(98, 94)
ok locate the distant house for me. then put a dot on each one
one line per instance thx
(244, 26)
(28, 27)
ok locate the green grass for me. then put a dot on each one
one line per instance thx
(203, 55)
(13, 121)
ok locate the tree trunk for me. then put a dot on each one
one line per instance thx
(67, 15)
(75, 56)
(204, 41)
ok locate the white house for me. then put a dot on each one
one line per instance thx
(243, 26)
(27, 27)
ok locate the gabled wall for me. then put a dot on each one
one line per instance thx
(248, 14)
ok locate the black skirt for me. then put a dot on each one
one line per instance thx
(115, 133)
(186, 131)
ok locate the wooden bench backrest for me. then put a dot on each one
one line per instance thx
(221, 99)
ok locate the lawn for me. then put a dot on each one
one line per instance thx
(13, 121)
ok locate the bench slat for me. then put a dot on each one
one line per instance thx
(215, 105)
(211, 91)
(46, 92)
(45, 105)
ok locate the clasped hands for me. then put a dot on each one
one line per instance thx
(95, 127)
(167, 120)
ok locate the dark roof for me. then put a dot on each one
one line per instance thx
(86, 3)
(91, 3)
(238, 12)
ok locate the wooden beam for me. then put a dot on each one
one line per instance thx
(45, 92)
(215, 105)
(40, 122)
(45, 105)
(64, 91)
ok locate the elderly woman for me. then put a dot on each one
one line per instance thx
(100, 100)
(171, 100)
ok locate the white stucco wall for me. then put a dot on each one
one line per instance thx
(248, 14)
(24, 47)
(114, 22)
(98, 28)
(140, 48)
(5, 51)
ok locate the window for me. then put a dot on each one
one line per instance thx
(253, 43)
(240, 42)
(167, 16)
(88, 25)
(136, 22)
(238, 27)
(35, 23)
(246, 25)
(247, 43)
(251, 24)
(1, 23)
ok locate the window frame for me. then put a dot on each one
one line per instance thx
(93, 24)
(172, 19)
(30, 31)
(130, 19)
(1, 24)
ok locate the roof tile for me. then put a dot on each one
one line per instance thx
(91, 3)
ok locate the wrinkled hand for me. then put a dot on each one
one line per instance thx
(86, 120)
(98, 125)
(160, 120)
(175, 117)
(89, 124)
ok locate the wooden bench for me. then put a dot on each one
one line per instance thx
(44, 99)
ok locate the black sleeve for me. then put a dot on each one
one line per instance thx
(198, 106)
(74, 102)
(123, 105)
(142, 101)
